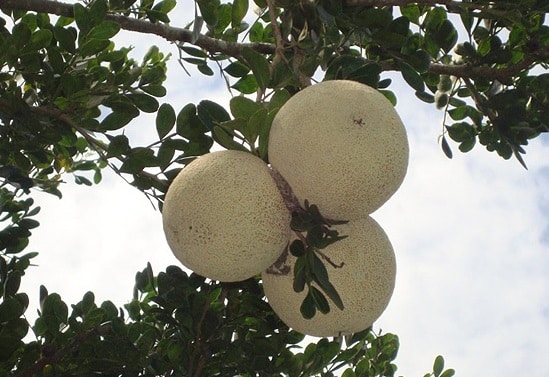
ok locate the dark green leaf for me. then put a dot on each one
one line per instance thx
(446, 36)
(193, 51)
(300, 277)
(438, 366)
(243, 107)
(320, 276)
(446, 148)
(239, 10)
(211, 113)
(373, 18)
(12, 283)
(105, 30)
(205, 69)
(98, 11)
(155, 90)
(411, 76)
(448, 373)
(259, 66)
(165, 154)
(93, 46)
(425, 97)
(188, 124)
(10, 308)
(308, 306)
(224, 138)
(118, 145)
(116, 120)
(165, 120)
(320, 300)
(66, 38)
(40, 39)
(297, 248)
(236, 69)
(246, 85)
(467, 145)
(137, 159)
(209, 11)
(144, 102)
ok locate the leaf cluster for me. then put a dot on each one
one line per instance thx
(314, 234)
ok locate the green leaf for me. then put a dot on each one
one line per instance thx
(411, 12)
(390, 96)
(320, 300)
(66, 38)
(373, 18)
(193, 51)
(243, 107)
(115, 121)
(165, 154)
(82, 18)
(446, 148)
(448, 373)
(411, 76)
(40, 39)
(137, 159)
(165, 6)
(10, 308)
(154, 90)
(93, 46)
(438, 366)
(118, 146)
(236, 69)
(308, 306)
(211, 113)
(420, 60)
(205, 69)
(209, 11)
(98, 11)
(320, 276)
(259, 66)
(188, 124)
(144, 102)
(446, 36)
(300, 277)
(348, 373)
(224, 138)
(105, 30)
(297, 248)
(441, 99)
(279, 98)
(246, 85)
(467, 145)
(165, 120)
(239, 10)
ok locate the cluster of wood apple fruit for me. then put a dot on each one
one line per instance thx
(338, 144)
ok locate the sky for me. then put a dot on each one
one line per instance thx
(470, 234)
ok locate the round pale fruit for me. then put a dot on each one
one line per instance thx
(365, 282)
(340, 145)
(224, 217)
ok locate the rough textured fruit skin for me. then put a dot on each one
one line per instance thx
(224, 217)
(340, 145)
(365, 283)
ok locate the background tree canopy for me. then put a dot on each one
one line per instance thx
(67, 92)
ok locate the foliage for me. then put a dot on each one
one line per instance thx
(67, 92)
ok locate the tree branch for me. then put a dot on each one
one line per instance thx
(501, 74)
(234, 49)
(483, 8)
(170, 33)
